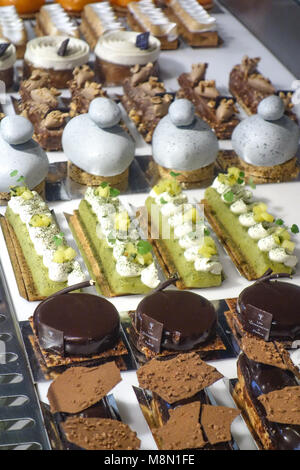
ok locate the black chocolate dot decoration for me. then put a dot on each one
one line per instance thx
(142, 41)
(62, 50)
(3, 48)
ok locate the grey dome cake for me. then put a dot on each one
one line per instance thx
(267, 142)
(184, 143)
(21, 158)
(98, 148)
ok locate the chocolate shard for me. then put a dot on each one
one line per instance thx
(100, 434)
(283, 406)
(178, 378)
(62, 50)
(142, 40)
(3, 48)
(216, 422)
(183, 430)
(79, 388)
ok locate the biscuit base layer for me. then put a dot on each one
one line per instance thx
(232, 249)
(79, 176)
(58, 78)
(40, 189)
(287, 171)
(88, 255)
(165, 44)
(23, 276)
(194, 39)
(190, 179)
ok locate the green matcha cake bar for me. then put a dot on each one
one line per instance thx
(118, 259)
(254, 239)
(42, 261)
(180, 238)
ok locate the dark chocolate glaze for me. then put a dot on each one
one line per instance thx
(189, 319)
(281, 299)
(76, 324)
(261, 379)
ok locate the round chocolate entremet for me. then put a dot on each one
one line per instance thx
(281, 299)
(76, 324)
(188, 319)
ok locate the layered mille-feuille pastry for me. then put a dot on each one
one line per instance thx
(12, 29)
(195, 25)
(52, 20)
(219, 111)
(97, 19)
(145, 16)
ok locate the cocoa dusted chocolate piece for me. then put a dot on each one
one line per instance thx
(194, 426)
(145, 99)
(250, 87)
(78, 388)
(218, 111)
(100, 434)
(282, 406)
(188, 319)
(256, 380)
(179, 378)
(76, 324)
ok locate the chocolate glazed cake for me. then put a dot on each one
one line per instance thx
(256, 379)
(280, 299)
(188, 320)
(76, 324)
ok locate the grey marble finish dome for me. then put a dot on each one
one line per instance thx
(183, 141)
(20, 153)
(96, 143)
(269, 137)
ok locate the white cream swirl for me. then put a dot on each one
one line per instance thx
(119, 47)
(42, 52)
(8, 59)
(43, 238)
(62, 23)
(11, 25)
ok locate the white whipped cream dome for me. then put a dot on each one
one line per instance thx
(119, 47)
(42, 52)
(9, 57)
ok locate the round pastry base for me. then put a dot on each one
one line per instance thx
(79, 176)
(40, 189)
(190, 179)
(114, 74)
(287, 171)
(58, 78)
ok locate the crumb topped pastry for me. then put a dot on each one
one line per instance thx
(56, 55)
(117, 51)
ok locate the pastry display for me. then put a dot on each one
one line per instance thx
(184, 143)
(26, 8)
(55, 55)
(97, 19)
(167, 322)
(118, 51)
(267, 142)
(84, 89)
(217, 110)
(43, 106)
(195, 25)
(52, 20)
(20, 156)
(177, 390)
(145, 99)
(118, 259)
(12, 29)
(7, 62)
(255, 240)
(180, 237)
(269, 398)
(76, 329)
(279, 323)
(97, 146)
(145, 16)
(250, 87)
